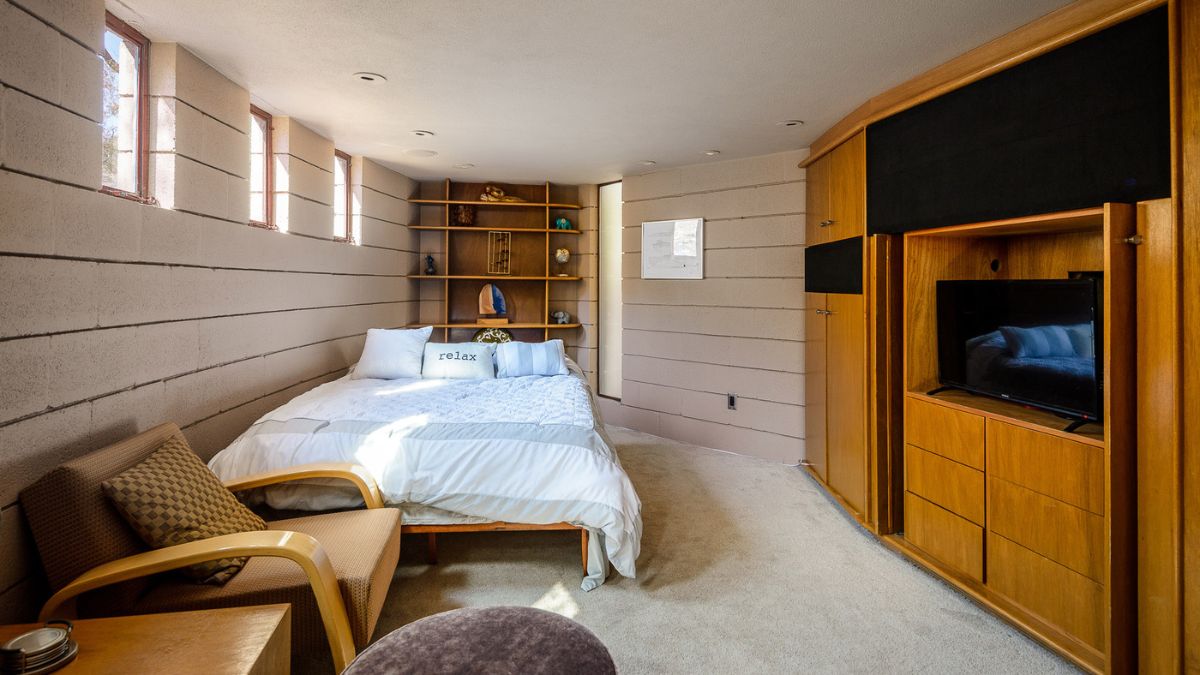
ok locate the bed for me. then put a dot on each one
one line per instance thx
(501, 454)
(1059, 380)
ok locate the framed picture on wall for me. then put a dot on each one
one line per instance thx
(673, 249)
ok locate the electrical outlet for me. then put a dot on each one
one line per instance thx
(731, 401)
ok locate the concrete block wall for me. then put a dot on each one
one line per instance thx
(688, 343)
(116, 316)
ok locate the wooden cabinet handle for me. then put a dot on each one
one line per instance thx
(826, 223)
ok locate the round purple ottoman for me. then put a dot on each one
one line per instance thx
(493, 640)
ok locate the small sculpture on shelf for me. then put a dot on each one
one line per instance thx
(560, 318)
(562, 223)
(429, 266)
(493, 310)
(561, 256)
(495, 193)
(464, 215)
(492, 335)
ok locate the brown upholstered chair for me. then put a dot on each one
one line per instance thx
(334, 568)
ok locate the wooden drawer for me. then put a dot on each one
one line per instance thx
(955, 541)
(1057, 594)
(951, 433)
(1064, 533)
(1054, 466)
(953, 486)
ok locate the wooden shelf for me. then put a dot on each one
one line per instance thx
(1015, 413)
(466, 202)
(464, 228)
(550, 326)
(1079, 220)
(494, 277)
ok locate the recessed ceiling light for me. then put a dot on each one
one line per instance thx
(421, 153)
(369, 77)
(464, 165)
(422, 132)
(712, 153)
(790, 123)
(647, 162)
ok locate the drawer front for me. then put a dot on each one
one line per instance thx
(951, 433)
(952, 486)
(953, 540)
(1063, 533)
(1056, 467)
(1057, 594)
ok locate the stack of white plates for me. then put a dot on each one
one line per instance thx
(42, 650)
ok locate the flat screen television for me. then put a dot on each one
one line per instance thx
(1031, 341)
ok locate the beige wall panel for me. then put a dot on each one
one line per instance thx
(301, 178)
(83, 20)
(764, 293)
(176, 72)
(765, 385)
(49, 142)
(298, 215)
(292, 138)
(779, 324)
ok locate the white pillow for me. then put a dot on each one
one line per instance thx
(392, 354)
(459, 361)
(518, 359)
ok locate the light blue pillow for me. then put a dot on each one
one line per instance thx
(1038, 342)
(518, 359)
(459, 361)
(1082, 340)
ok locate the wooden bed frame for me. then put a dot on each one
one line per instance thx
(432, 531)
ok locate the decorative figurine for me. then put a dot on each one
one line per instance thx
(494, 193)
(560, 317)
(464, 215)
(561, 223)
(493, 311)
(429, 268)
(562, 255)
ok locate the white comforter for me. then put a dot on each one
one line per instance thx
(523, 449)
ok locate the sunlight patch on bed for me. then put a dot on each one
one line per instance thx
(409, 387)
(378, 449)
(559, 601)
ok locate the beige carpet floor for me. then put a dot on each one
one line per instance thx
(746, 567)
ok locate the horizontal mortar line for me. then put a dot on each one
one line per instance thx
(195, 318)
(709, 363)
(200, 110)
(49, 102)
(704, 306)
(223, 268)
(381, 192)
(163, 380)
(200, 162)
(259, 398)
(300, 196)
(72, 38)
(382, 220)
(206, 215)
(54, 181)
(725, 424)
(655, 330)
(716, 191)
(716, 335)
(731, 219)
(315, 166)
(707, 277)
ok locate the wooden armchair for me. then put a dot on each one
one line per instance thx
(334, 568)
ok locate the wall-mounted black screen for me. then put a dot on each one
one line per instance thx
(836, 267)
(1079, 126)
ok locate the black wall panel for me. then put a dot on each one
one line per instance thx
(1073, 128)
(836, 267)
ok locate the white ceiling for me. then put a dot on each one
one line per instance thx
(571, 91)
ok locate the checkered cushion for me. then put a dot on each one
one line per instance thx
(172, 498)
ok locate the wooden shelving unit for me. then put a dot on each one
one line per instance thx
(463, 268)
(1031, 520)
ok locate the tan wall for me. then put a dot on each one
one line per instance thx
(116, 316)
(687, 343)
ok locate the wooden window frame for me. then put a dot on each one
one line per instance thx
(268, 170)
(131, 34)
(349, 238)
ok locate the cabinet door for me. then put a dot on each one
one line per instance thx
(814, 383)
(846, 401)
(817, 201)
(848, 189)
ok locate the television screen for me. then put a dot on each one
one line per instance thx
(1030, 341)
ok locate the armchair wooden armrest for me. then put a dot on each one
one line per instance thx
(352, 472)
(297, 547)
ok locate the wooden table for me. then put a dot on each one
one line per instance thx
(254, 640)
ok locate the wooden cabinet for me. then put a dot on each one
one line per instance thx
(999, 498)
(837, 193)
(836, 395)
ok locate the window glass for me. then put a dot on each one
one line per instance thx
(121, 149)
(341, 201)
(610, 291)
(260, 168)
